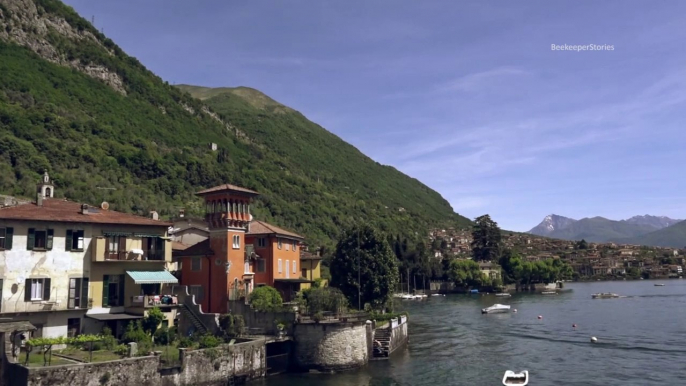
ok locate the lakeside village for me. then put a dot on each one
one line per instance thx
(90, 295)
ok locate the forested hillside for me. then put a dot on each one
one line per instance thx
(73, 103)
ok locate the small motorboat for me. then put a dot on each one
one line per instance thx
(496, 308)
(474, 291)
(549, 293)
(659, 285)
(503, 295)
(604, 295)
(511, 378)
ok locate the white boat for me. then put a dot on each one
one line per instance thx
(659, 285)
(549, 293)
(511, 378)
(604, 295)
(503, 294)
(496, 308)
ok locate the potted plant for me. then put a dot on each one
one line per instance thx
(281, 328)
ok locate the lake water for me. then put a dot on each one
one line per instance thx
(641, 340)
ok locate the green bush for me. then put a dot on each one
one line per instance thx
(152, 320)
(185, 342)
(209, 341)
(121, 349)
(325, 299)
(232, 325)
(265, 298)
(165, 336)
(134, 333)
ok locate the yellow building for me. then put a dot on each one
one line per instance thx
(310, 265)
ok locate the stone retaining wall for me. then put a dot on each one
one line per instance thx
(331, 346)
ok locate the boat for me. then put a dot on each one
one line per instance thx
(496, 308)
(604, 295)
(474, 291)
(511, 378)
(503, 294)
(549, 293)
(659, 285)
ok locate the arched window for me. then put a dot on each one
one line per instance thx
(47, 192)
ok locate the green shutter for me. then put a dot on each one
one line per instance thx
(105, 290)
(31, 239)
(84, 292)
(48, 243)
(122, 279)
(68, 240)
(9, 232)
(46, 289)
(27, 290)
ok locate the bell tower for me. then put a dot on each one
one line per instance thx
(45, 188)
(227, 213)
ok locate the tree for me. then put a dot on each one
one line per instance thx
(152, 321)
(265, 298)
(582, 244)
(486, 239)
(363, 252)
(466, 273)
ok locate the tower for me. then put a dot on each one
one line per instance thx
(227, 213)
(45, 188)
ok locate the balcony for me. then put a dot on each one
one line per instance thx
(151, 301)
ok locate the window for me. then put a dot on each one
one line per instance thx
(288, 270)
(73, 327)
(198, 291)
(280, 270)
(196, 264)
(39, 239)
(115, 244)
(236, 241)
(295, 245)
(261, 242)
(155, 248)
(261, 265)
(74, 240)
(295, 267)
(113, 290)
(37, 289)
(303, 273)
(6, 238)
(279, 243)
(78, 293)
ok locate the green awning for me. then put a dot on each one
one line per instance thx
(152, 277)
(146, 235)
(115, 233)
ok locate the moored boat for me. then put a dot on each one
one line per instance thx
(496, 308)
(511, 378)
(604, 295)
(503, 295)
(659, 285)
(549, 293)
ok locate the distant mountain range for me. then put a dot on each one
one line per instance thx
(644, 230)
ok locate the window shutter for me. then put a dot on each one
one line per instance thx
(84, 292)
(31, 239)
(105, 290)
(122, 280)
(160, 248)
(9, 232)
(68, 241)
(48, 243)
(46, 289)
(27, 290)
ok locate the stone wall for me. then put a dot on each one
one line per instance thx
(330, 346)
(261, 323)
(399, 336)
(198, 367)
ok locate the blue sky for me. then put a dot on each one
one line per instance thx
(466, 96)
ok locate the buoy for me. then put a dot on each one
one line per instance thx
(515, 310)
(594, 339)
(540, 317)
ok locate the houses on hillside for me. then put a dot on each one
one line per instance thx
(71, 268)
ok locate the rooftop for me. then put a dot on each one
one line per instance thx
(262, 228)
(61, 210)
(200, 249)
(227, 188)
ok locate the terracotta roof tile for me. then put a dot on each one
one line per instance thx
(200, 249)
(226, 187)
(262, 228)
(177, 246)
(59, 210)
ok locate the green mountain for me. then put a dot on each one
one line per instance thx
(73, 103)
(672, 236)
(599, 229)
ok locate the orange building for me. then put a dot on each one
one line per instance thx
(239, 254)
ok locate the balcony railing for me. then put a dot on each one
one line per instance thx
(150, 301)
(128, 256)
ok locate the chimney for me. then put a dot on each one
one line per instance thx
(84, 208)
(39, 199)
(154, 215)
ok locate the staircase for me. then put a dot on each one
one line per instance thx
(383, 335)
(190, 315)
